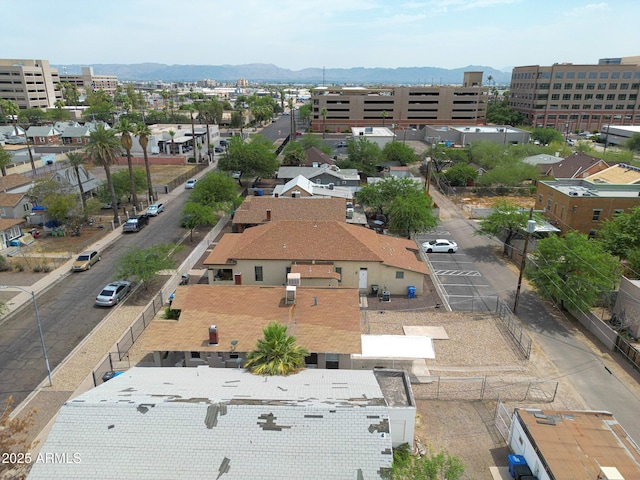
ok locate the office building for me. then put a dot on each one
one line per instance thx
(87, 81)
(577, 98)
(29, 83)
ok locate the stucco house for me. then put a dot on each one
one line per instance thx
(322, 175)
(300, 187)
(352, 256)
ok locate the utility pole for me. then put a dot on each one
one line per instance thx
(531, 225)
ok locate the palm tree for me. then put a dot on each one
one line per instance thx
(324, 112)
(172, 134)
(143, 132)
(125, 128)
(276, 353)
(75, 160)
(105, 148)
(384, 116)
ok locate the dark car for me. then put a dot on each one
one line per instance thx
(218, 149)
(223, 143)
(136, 223)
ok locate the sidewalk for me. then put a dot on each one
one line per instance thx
(74, 374)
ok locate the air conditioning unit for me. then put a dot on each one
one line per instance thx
(290, 295)
(293, 279)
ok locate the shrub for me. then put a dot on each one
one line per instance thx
(18, 267)
(4, 266)
(170, 314)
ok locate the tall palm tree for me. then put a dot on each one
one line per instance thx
(104, 148)
(324, 112)
(143, 132)
(125, 128)
(172, 134)
(384, 116)
(276, 353)
(75, 160)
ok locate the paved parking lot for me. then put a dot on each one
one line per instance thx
(463, 287)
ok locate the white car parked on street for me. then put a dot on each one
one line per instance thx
(440, 245)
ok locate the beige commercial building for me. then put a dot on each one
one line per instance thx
(29, 83)
(87, 81)
(576, 98)
(399, 107)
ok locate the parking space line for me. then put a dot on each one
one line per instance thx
(458, 273)
(462, 285)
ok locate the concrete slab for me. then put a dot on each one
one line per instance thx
(436, 333)
(500, 473)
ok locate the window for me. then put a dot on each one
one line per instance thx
(540, 198)
(549, 204)
(591, 86)
(599, 96)
(588, 96)
(618, 211)
(332, 361)
(399, 275)
(258, 273)
(622, 96)
(602, 86)
(615, 74)
(624, 86)
(566, 96)
(555, 96)
(613, 86)
(582, 74)
(544, 86)
(626, 74)
(568, 86)
(596, 214)
(611, 96)
(555, 208)
(577, 96)
(604, 74)
(562, 211)
(579, 86)
(592, 233)
(195, 354)
(557, 86)
(593, 75)
(559, 74)
(571, 75)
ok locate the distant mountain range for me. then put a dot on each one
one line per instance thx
(268, 73)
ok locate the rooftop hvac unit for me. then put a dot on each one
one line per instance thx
(609, 473)
(293, 279)
(331, 185)
(290, 295)
(573, 193)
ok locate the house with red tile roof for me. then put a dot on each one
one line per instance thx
(317, 250)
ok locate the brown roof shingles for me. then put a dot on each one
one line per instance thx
(323, 320)
(12, 181)
(320, 241)
(254, 209)
(10, 199)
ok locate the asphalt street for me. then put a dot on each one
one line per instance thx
(599, 376)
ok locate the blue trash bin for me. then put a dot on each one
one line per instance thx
(411, 292)
(513, 461)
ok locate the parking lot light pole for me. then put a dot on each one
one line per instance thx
(35, 307)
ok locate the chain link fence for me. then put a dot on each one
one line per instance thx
(512, 326)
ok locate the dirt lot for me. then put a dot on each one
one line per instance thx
(487, 202)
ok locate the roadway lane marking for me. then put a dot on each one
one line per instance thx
(462, 285)
(458, 273)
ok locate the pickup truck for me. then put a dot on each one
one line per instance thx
(136, 223)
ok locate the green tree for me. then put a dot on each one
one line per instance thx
(411, 213)
(572, 270)
(194, 214)
(145, 264)
(504, 222)
(308, 141)
(254, 158)
(365, 154)
(126, 129)
(396, 152)
(294, 154)
(32, 116)
(620, 235)
(11, 110)
(633, 143)
(499, 113)
(76, 159)
(304, 112)
(217, 192)
(276, 353)
(378, 196)
(104, 149)
(144, 132)
(460, 174)
(5, 159)
(122, 183)
(546, 135)
(237, 120)
(434, 466)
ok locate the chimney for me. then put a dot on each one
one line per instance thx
(213, 335)
(268, 215)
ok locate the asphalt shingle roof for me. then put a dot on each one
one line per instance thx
(254, 209)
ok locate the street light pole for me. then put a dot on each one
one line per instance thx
(35, 307)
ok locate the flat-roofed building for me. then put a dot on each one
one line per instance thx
(576, 98)
(87, 81)
(584, 204)
(574, 445)
(467, 134)
(29, 83)
(400, 106)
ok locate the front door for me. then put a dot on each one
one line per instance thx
(362, 283)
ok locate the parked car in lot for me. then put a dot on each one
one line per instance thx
(219, 149)
(341, 144)
(155, 208)
(113, 293)
(191, 183)
(136, 223)
(440, 245)
(223, 143)
(85, 260)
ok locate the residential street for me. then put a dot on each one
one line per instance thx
(581, 360)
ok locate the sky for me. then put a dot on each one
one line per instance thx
(298, 34)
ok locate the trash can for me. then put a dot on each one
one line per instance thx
(513, 461)
(386, 296)
(374, 289)
(411, 292)
(260, 193)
